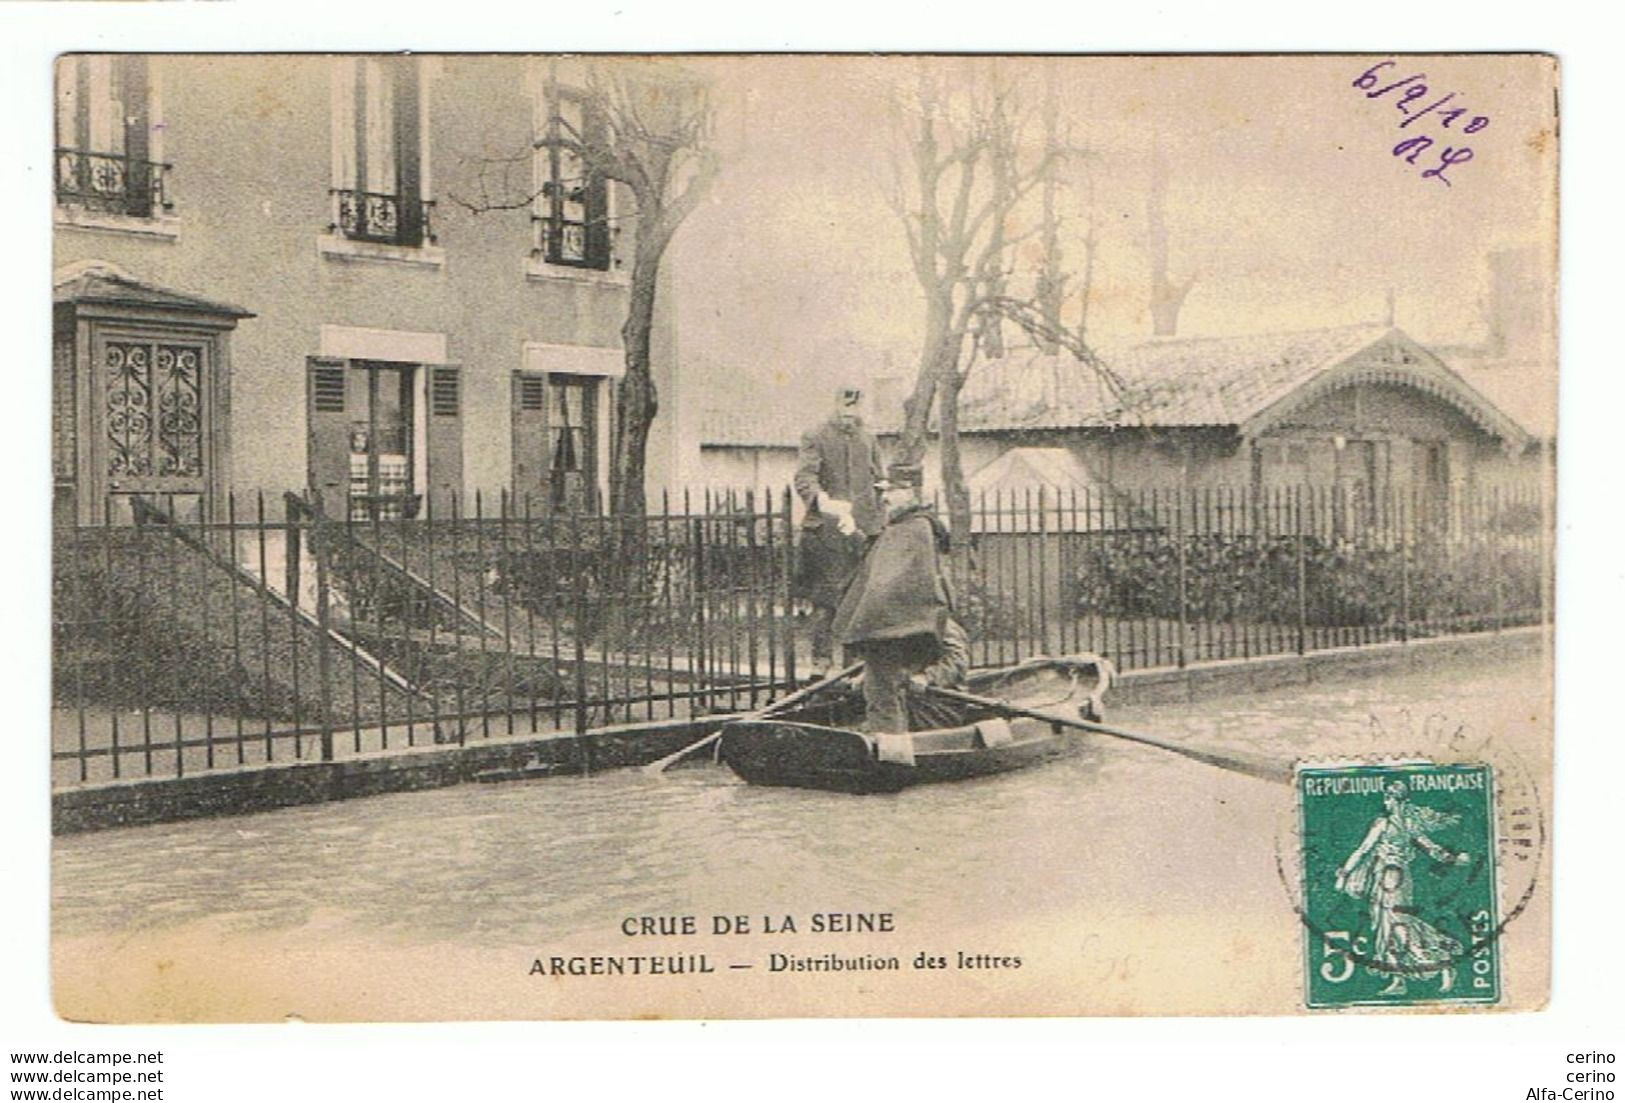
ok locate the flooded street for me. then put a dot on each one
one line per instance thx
(1116, 839)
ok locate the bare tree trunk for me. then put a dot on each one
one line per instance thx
(938, 344)
(1051, 284)
(1167, 297)
(668, 169)
(1091, 239)
(639, 398)
(954, 490)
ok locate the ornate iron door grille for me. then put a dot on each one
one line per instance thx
(153, 412)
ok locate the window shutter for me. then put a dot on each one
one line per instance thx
(327, 388)
(529, 476)
(327, 420)
(341, 85)
(138, 181)
(595, 201)
(612, 401)
(377, 126)
(70, 97)
(444, 397)
(445, 437)
(408, 146)
(105, 132)
(588, 420)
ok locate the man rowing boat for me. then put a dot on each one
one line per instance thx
(897, 614)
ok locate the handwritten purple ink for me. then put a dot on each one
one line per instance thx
(1407, 104)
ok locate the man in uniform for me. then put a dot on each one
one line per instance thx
(897, 615)
(838, 468)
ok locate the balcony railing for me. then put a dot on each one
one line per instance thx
(567, 242)
(111, 183)
(378, 217)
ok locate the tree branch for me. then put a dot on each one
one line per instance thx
(508, 198)
(680, 206)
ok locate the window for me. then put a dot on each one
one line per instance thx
(557, 426)
(1432, 477)
(572, 215)
(572, 442)
(1362, 479)
(384, 433)
(107, 160)
(381, 443)
(1279, 464)
(380, 159)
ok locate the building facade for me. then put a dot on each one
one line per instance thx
(361, 275)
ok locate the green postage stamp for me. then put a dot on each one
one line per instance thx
(1399, 885)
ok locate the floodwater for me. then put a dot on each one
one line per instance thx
(1117, 834)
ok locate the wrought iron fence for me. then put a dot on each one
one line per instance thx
(1167, 578)
(281, 631)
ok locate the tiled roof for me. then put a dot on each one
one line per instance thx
(1169, 382)
(1243, 382)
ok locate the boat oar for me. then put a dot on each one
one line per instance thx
(659, 766)
(1228, 760)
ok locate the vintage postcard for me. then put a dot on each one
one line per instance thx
(544, 537)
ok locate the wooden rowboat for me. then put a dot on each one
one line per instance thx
(819, 746)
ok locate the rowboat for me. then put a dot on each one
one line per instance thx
(818, 745)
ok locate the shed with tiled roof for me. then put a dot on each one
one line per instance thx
(1363, 407)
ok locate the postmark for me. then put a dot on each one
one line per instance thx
(1399, 878)
(1402, 740)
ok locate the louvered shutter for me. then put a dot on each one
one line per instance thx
(530, 441)
(445, 437)
(137, 145)
(409, 169)
(329, 408)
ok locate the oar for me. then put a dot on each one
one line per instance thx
(659, 766)
(1241, 763)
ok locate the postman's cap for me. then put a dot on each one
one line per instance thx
(901, 475)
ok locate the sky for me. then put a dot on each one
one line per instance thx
(1284, 200)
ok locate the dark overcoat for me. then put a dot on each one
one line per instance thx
(844, 463)
(899, 590)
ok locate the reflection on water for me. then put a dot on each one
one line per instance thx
(1140, 829)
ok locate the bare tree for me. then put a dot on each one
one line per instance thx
(1050, 285)
(651, 133)
(964, 197)
(1091, 245)
(1167, 295)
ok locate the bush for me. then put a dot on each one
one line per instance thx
(987, 614)
(1244, 578)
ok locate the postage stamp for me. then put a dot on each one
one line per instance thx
(1399, 885)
